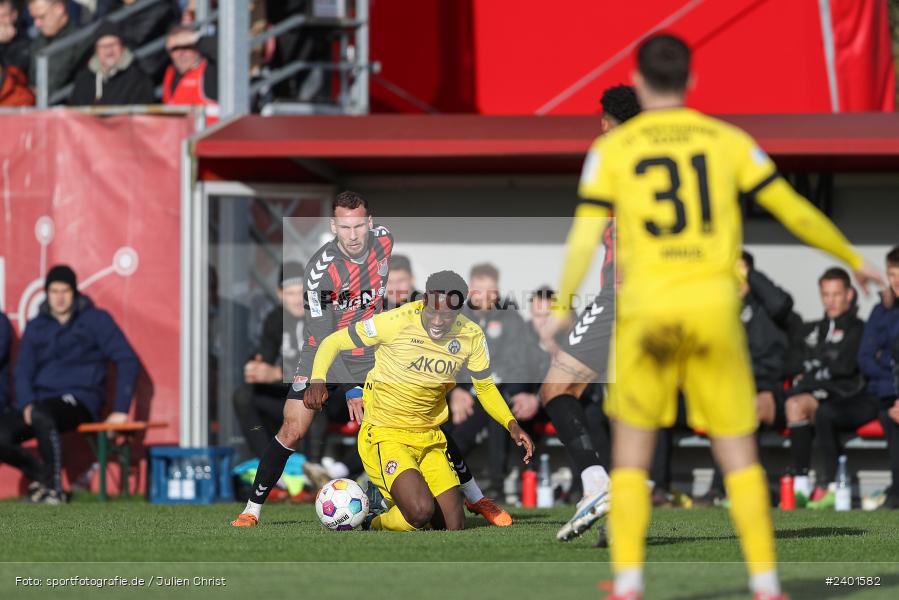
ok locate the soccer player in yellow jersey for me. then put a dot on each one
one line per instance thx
(420, 349)
(672, 176)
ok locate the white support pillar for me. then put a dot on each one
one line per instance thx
(234, 58)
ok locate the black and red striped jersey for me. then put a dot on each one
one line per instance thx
(341, 291)
(607, 275)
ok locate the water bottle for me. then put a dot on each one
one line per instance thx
(175, 476)
(189, 483)
(544, 486)
(844, 489)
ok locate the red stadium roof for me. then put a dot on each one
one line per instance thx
(255, 148)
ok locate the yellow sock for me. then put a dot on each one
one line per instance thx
(628, 518)
(750, 511)
(392, 520)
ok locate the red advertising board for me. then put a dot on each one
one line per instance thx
(102, 195)
(502, 57)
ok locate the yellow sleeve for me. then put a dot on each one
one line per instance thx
(596, 181)
(376, 330)
(583, 238)
(757, 176)
(590, 218)
(806, 222)
(328, 350)
(493, 401)
(479, 359)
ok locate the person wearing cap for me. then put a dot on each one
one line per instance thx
(60, 381)
(112, 75)
(259, 403)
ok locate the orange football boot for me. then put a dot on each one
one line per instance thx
(491, 511)
(245, 520)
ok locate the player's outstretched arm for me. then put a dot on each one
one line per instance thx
(324, 358)
(812, 227)
(496, 407)
(583, 238)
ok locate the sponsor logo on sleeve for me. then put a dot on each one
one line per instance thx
(369, 326)
(591, 165)
(758, 156)
(315, 305)
(486, 348)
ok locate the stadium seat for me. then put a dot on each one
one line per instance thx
(546, 429)
(119, 447)
(871, 429)
(349, 428)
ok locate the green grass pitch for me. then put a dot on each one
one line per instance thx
(691, 554)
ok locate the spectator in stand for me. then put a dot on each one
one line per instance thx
(5, 346)
(145, 26)
(14, 42)
(766, 314)
(112, 76)
(51, 18)
(507, 336)
(400, 283)
(192, 78)
(830, 392)
(60, 381)
(878, 364)
(259, 403)
(14, 90)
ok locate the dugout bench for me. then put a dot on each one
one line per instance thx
(98, 437)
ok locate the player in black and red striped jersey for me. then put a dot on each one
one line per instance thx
(345, 283)
(583, 356)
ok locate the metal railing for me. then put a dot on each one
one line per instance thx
(352, 68)
(46, 97)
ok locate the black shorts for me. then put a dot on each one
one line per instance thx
(590, 338)
(342, 377)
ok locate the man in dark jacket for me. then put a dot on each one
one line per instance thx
(508, 340)
(14, 43)
(766, 314)
(145, 26)
(830, 392)
(259, 403)
(877, 362)
(112, 77)
(51, 17)
(60, 380)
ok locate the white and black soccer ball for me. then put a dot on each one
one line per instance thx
(341, 504)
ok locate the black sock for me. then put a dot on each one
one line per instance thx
(801, 446)
(570, 422)
(457, 460)
(271, 466)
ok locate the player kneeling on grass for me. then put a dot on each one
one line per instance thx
(421, 347)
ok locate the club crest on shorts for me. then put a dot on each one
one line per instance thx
(454, 347)
(390, 467)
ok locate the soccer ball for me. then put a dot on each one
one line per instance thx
(341, 504)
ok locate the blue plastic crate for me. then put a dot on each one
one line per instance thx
(207, 485)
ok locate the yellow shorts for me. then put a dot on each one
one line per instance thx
(386, 452)
(703, 353)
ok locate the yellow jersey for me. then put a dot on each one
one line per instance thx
(407, 387)
(673, 178)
